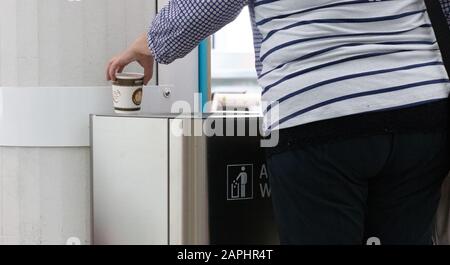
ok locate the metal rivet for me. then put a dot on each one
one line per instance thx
(167, 92)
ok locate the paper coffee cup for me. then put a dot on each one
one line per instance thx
(127, 92)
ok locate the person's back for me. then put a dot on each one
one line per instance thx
(323, 59)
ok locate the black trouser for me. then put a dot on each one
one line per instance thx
(343, 192)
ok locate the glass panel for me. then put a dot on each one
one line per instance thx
(233, 59)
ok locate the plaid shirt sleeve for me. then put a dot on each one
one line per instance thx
(446, 7)
(182, 24)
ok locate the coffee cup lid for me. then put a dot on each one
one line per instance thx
(129, 76)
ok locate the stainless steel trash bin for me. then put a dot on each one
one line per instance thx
(163, 179)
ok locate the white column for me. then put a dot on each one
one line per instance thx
(45, 192)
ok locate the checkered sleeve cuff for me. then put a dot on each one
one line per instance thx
(180, 26)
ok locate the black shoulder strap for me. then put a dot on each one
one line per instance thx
(441, 29)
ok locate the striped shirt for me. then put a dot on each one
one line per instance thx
(320, 59)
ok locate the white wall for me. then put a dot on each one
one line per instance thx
(44, 192)
(66, 43)
(44, 195)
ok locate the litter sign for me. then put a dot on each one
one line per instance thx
(240, 182)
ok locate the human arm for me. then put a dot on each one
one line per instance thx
(176, 30)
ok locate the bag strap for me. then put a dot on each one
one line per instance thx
(441, 29)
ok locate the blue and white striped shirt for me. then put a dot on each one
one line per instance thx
(320, 59)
